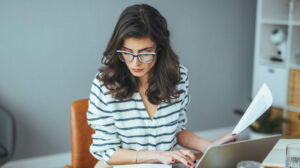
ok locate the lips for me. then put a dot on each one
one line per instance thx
(136, 70)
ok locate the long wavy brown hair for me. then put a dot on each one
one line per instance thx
(140, 21)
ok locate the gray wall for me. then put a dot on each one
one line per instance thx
(50, 51)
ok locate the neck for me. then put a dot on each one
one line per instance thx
(143, 81)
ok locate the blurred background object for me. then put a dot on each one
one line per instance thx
(7, 135)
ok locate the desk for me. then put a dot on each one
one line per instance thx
(286, 137)
(199, 155)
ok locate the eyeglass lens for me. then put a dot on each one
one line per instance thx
(143, 57)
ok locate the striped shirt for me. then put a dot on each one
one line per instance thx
(126, 123)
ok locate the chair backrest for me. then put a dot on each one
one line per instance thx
(7, 135)
(81, 135)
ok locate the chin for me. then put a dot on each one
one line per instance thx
(137, 74)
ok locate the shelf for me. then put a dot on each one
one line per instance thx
(294, 109)
(279, 108)
(295, 66)
(283, 78)
(279, 22)
(274, 22)
(267, 47)
(275, 9)
(296, 23)
(275, 78)
(295, 46)
(293, 125)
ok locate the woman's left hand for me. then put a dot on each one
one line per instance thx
(224, 139)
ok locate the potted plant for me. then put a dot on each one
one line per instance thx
(265, 125)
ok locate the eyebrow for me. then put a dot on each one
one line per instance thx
(138, 50)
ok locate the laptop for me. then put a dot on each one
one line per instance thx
(228, 155)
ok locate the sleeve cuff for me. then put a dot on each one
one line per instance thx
(180, 129)
(108, 154)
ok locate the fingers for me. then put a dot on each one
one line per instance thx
(166, 157)
(188, 154)
(186, 157)
(183, 160)
(227, 138)
(236, 138)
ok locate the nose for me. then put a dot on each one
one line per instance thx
(136, 61)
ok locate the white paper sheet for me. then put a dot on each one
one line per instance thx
(261, 102)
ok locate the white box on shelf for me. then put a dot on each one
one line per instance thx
(275, 78)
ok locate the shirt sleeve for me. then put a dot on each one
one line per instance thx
(182, 120)
(105, 140)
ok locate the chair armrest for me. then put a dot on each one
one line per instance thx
(68, 166)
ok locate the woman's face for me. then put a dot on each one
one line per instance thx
(136, 46)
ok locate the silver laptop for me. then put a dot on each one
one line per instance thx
(228, 155)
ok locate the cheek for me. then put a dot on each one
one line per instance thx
(128, 64)
(154, 62)
(150, 66)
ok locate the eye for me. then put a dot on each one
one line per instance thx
(146, 55)
(126, 54)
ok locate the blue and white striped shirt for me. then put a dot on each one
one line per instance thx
(126, 124)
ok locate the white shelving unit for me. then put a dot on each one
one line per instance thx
(272, 14)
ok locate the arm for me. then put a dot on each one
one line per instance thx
(105, 140)
(189, 140)
(125, 156)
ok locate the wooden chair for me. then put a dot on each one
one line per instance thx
(81, 136)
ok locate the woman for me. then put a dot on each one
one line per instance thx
(139, 99)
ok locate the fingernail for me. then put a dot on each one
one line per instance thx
(173, 160)
(195, 161)
(189, 164)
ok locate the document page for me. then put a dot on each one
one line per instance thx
(261, 102)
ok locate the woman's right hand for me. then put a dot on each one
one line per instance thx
(184, 156)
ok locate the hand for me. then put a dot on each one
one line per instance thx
(184, 156)
(224, 138)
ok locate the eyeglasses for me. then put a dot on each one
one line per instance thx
(145, 58)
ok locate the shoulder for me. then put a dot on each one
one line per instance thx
(99, 88)
(183, 74)
(184, 80)
(183, 69)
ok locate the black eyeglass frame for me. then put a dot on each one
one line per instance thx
(136, 55)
